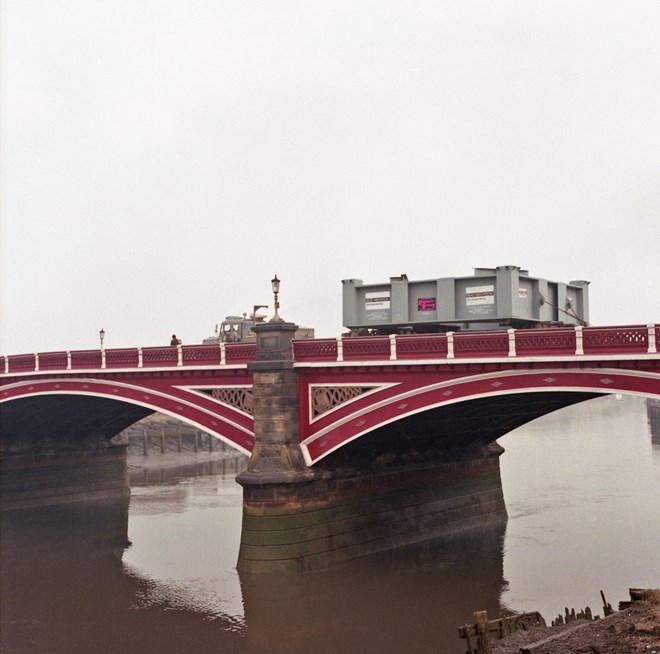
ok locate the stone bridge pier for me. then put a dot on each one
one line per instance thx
(298, 518)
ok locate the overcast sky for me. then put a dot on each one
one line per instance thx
(163, 159)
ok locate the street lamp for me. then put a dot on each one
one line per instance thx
(102, 336)
(276, 289)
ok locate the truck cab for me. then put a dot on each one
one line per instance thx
(236, 329)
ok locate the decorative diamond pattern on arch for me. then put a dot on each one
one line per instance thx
(325, 398)
(239, 397)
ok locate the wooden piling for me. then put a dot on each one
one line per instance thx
(483, 643)
(607, 607)
(485, 631)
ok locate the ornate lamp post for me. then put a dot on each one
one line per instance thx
(102, 336)
(276, 289)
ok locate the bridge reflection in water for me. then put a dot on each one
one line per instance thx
(71, 582)
(66, 590)
(408, 600)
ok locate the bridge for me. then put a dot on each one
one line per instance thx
(407, 424)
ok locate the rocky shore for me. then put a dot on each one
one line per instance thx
(631, 630)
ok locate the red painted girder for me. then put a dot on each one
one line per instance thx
(421, 392)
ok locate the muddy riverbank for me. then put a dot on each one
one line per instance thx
(159, 441)
(632, 630)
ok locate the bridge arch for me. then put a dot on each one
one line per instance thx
(463, 410)
(77, 408)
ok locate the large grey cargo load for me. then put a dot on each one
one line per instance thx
(493, 298)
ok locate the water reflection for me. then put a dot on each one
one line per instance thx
(77, 589)
(582, 489)
(411, 600)
(426, 591)
(60, 598)
(173, 474)
(188, 527)
(65, 589)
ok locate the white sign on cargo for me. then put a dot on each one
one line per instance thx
(475, 295)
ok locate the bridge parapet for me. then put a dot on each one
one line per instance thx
(513, 343)
(149, 357)
(579, 341)
(83, 359)
(53, 361)
(561, 342)
(621, 340)
(21, 362)
(375, 348)
(124, 358)
(320, 349)
(488, 344)
(422, 347)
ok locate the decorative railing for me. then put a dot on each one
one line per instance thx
(489, 344)
(421, 347)
(201, 355)
(365, 348)
(85, 359)
(240, 353)
(547, 342)
(623, 339)
(521, 343)
(518, 343)
(53, 360)
(125, 358)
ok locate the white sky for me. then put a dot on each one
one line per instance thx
(163, 159)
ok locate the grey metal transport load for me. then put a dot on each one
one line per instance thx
(493, 298)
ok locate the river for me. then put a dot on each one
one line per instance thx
(582, 488)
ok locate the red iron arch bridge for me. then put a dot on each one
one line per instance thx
(472, 382)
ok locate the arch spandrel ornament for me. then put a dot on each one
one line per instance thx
(236, 397)
(324, 398)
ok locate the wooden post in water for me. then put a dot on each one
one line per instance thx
(162, 440)
(145, 442)
(481, 620)
(464, 632)
(178, 441)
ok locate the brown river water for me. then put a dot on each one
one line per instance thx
(582, 488)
